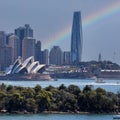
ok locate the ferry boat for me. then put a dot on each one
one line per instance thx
(100, 80)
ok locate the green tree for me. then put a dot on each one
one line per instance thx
(74, 89)
(15, 102)
(9, 88)
(87, 88)
(37, 88)
(28, 93)
(43, 100)
(62, 87)
(101, 91)
(3, 96)
(3, 87)
(30, 105)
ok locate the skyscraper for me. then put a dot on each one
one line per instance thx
(28, 31)
(66, 58)
(28, 47)
(2, 38)
(76, 38)
(56, 56)
(14, 42)
(5, 57)
(38, 51)
(46, 56)
(23, 32)
(5, 52)
(7, 38)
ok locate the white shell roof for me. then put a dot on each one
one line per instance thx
(38, 68)
(28, 64)
(33, 66)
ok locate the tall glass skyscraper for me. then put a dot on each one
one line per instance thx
(76, 38)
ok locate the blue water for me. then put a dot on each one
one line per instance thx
(56, 117)
(109, 85)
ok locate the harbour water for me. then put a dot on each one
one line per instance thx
(109, 85)
(56, 117)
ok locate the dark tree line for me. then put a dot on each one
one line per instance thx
(59, 99)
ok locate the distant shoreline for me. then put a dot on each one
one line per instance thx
(54, 112)
(55, 79)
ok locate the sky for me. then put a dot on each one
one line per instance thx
(51, 21)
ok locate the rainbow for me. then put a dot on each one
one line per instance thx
(88, 21)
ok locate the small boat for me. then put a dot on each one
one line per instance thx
(100, 81)
(116, 117)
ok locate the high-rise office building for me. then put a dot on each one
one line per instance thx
(38, 51)
(28, 47)
(46, 56)
(5, 52)
(56, 56)
(66, 58)
(28, 31)
(76, 38)
(14, 42)
(20, 33)
(5, 57)
(2, 38)
(7, 37)
(23, 32)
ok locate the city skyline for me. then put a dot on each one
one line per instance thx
(52, 21)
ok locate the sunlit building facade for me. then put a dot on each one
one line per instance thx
(14, 42)
(28, 47)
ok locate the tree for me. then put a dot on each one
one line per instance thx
(50, 88)
(62, 87)
(87, 88)
(100, 91)
(74, 89)
(3, 87)
(9, 88)
(30, 105)
(43, 100)
(3, 96)
(28, 93)
(15, 102)
(37, 88)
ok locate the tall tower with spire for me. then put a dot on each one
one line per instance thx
(99, 57)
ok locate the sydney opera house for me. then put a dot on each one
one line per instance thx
(28, 69)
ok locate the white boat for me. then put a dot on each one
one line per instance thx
(100, 80)
(116, 117)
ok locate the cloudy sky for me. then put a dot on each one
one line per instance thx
(50, 19)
